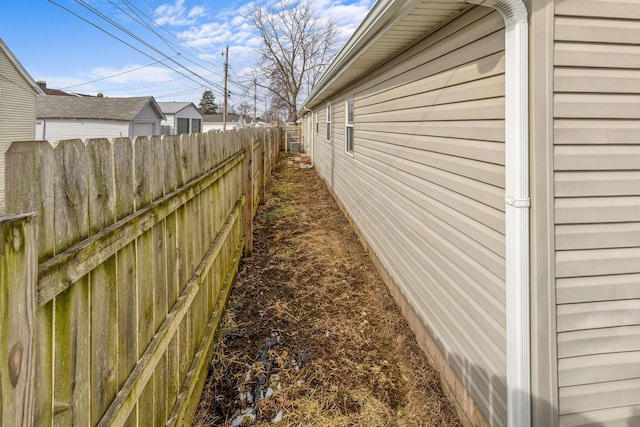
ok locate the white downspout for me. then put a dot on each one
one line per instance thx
(517, 201)
(311, 141)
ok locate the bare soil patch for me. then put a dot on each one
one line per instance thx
(311, 336)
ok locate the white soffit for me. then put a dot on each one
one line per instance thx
(390, 27)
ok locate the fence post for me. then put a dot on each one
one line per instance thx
(286, 142)
(261, 165)
(18, 279)
(247, 216)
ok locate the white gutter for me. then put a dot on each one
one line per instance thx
(383, 15)
(517, 201)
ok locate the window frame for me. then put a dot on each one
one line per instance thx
(183, 120)
(348, 125)
(194, 128)
(328, 122)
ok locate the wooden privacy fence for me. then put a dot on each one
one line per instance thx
(115, 269)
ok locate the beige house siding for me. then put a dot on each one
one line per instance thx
(597, 210)
(544, 360)
(17, 111)
(425, 187)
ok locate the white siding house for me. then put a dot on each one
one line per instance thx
(68, 117)
(18, 93)
(488, 154)
(214, 122)
(181, 117)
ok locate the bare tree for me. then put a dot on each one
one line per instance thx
(297, 47)
(244, 108)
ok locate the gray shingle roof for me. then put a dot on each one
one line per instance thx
(217, 118)
(72, 107)
(174, 107)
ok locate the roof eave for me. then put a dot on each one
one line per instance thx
(20, 68)
(155, 106)
(382, 18)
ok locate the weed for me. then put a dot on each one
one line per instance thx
(296, 248)
(284, 189)
(349, 358)
(280, 212)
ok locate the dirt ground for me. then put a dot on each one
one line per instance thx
(311, 336)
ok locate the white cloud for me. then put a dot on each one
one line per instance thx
(132, 73)
(238, 21)
(104, 77)
(207, 35)
(208, 28)
(347, 16)
(177, 14)
(196, 12)
(232, 26)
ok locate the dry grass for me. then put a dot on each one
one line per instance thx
(348, 357)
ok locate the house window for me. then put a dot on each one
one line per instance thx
(196, 125)
(183, 126)
(349, 127)
(317, 123)
(328, 122)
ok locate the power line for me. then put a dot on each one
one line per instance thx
(114, 75)
(141, 22)
(134, 36)
(138, 87)
(183, 92)
(138, 38)
(139, 16)
(212, 62)
(122, 41)
(137, 12)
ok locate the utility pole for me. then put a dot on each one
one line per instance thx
(226, 94)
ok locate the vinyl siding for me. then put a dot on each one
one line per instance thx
(597, 210)
(17, 112)
(425, 186)
(58, 129)
(172, 119)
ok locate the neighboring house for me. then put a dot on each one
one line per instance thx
(529, 304)
(213, 122)
(181, 117)
(67, 117)
(18, 92)
(49, 91)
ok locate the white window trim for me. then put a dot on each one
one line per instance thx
(348, 125)
(328, 123)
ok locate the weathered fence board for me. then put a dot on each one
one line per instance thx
(71, 308)
(126, 267)
(137, 245)
(31, 193)
(102, 280)
(18, 278)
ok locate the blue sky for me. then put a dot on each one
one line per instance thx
(68, 53)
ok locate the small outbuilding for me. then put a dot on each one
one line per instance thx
(488, 154)
(181, 117)
(68, 117)
(18, 92)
